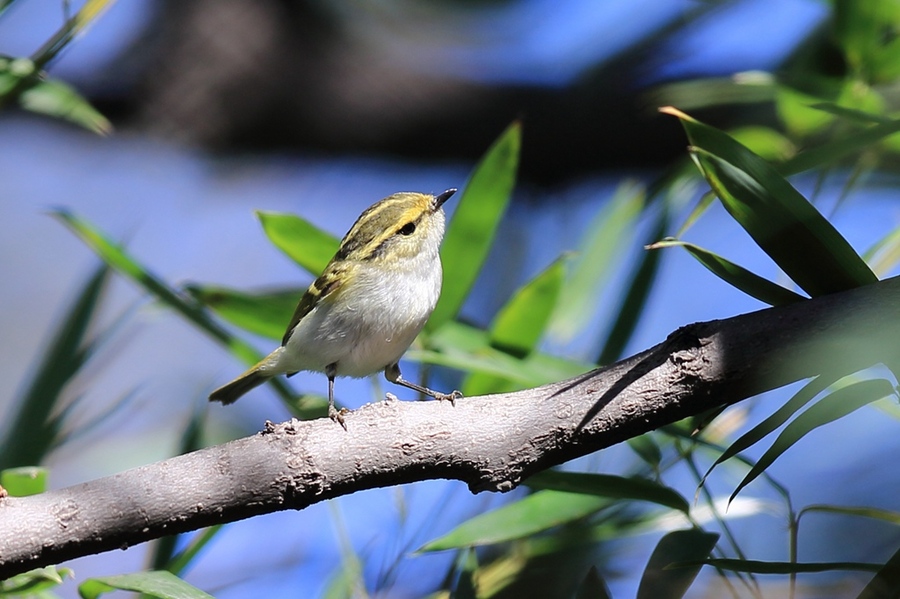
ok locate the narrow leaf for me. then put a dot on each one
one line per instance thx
(34, 583)
(519, 326)
(533, 514)
(758, 567)
(665, 577)
(774, 421)
(631, 306)
(784, 224)
(116, 257)
(303, 242)
(471, 231)
(885, 253)
(156, 583)
(598, 252)
(54, 98)
(830, 408)
(737, 276)
(62, 361)
(610, 486)
(265, 314)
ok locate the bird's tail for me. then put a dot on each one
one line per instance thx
(254, 377)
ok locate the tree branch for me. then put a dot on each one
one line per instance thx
(491, 443)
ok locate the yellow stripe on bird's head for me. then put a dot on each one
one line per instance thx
(401, 226)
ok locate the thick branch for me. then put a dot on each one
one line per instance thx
(491, 443)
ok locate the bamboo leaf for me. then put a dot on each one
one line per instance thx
(265, 314)
(471, 231)
(519, 326)
(303, 242)
(784, 224)
(610, 486)
(528, 516)
(774, 421)
(156, 583)
(62, 361)
(737, 276)
(830, 408)
(758, 567)
(598, 252)
(665, 577)
(634, 300)
(35, 583)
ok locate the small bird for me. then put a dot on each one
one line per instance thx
(369, 304)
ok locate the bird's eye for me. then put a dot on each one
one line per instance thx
(408, 229)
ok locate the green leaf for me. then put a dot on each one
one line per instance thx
(646, 448)
(56, 99)
(610, 486)
(519, 325)
(265, 314)
(833, 151)
(62, 361)
(784, 224)
(466, 565)
(34, 582)
(593, 586)
(862, 512)
(598, 252)
(830, 408)
(471, 231)
(886, 581)
(303, 242)
(533, 514)
(758, 567)
(634, 300)
(737, 276)
(775, 420)
(885, 253)
(116, 257)
(666, 576)
(24, 480)
(156, 583)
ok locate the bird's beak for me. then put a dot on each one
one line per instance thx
(443, 197)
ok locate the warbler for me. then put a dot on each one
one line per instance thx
(369, 304)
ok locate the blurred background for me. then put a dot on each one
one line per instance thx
(221, 108)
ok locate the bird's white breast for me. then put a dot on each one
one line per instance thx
(372, 321)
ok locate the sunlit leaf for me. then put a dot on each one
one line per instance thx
(885, 253)
(34, 583)
(832, 407)
(859, 29)
(303, 242)
(265, 314)
(610, 486)
(666, 576)
(519, 325)
(598, 252)
(737, 276)
(765, 142)
(24, 480)
(471, 231)
(466, 565)
(155, 583)
(54, 98)
(784, 224)
(851, 114)
(831, 152)
(528, 516)
(862, 512)
(116, 257)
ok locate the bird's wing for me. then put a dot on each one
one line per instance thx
(328, 283)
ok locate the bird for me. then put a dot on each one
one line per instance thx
(368, 305)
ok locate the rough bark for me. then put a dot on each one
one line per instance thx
(491, 443)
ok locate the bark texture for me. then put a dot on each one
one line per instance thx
(492, 443)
